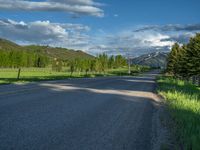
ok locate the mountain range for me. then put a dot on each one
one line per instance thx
(156, 59)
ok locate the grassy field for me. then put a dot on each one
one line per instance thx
(183, 100)
(38, 74)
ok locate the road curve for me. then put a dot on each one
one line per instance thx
(115, 113)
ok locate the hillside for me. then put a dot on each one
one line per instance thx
(157, 59)
(51, 52)
(8, 45)
(56, 52)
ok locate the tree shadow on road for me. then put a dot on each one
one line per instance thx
(78, 115)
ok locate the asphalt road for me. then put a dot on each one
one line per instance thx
(115, 113)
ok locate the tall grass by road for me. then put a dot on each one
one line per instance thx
(183, 101)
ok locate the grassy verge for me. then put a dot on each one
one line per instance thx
(40, 74)
(183, 101)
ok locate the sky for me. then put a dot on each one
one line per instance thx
(129, 27)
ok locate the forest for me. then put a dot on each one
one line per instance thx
(181, 95)
(184, 60)
(16, 59)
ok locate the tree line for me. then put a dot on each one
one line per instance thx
(184, 61)
(99, 64)
(21, 58)
(24, 58)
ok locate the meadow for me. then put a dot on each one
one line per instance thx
(183, 101)
(9, 75)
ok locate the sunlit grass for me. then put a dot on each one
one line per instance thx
(183, 101)
(36, 74)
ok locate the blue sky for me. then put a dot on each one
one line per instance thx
(109, 26)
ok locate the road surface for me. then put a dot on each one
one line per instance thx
(114, 113)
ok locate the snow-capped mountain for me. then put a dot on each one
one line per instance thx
(156, 59)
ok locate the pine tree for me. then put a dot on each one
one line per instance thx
(181, 65)
(173, 58)
(193, 56)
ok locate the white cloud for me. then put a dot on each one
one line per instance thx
(77, 36)
(170, 27)
(45, 33)
(80, 7)
(136, 43)
(156, 40)
(78, 2)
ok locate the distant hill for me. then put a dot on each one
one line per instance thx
(56, 52)
(51, 52)
(157, 59)
(8, 45)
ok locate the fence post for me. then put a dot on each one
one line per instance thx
(18, 75)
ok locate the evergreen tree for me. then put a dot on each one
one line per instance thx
(185, 61)
(193, 56)
(181, 65)
(173, 59)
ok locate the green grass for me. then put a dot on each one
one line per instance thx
(183, 101)
(35, 74)
(38, 74)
